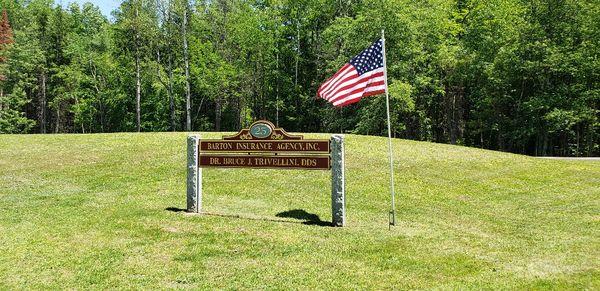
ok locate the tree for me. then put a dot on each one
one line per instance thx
(184, 35)
(506, 75)
(166, 53)
(134, 23)
(6, 41)
(12, 116)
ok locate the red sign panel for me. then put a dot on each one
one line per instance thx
(265, 161)
(263, 146)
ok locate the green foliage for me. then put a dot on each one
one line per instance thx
(511, 75)
(12, 117)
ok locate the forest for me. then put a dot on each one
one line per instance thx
(521, 76)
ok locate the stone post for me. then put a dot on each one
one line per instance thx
(194, 176)
(338, 181)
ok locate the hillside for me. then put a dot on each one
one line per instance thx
(103, 211)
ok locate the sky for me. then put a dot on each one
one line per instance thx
(106, 6)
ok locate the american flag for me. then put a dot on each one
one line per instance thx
(361, 77)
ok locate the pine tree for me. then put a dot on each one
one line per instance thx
(6, 34)
(6, 40)
(12, 118)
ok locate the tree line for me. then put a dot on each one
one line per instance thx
(512, 75)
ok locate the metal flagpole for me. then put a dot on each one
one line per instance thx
(392, 216)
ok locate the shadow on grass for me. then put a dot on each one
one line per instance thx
(175, 209)
(301, 214)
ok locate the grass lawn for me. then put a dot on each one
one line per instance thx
(102, 211)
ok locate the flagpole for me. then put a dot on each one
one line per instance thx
(392, 217)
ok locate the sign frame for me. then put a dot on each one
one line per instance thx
(263, 132)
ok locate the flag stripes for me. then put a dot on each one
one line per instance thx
(361, 77)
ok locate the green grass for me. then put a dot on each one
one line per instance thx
(89, 211)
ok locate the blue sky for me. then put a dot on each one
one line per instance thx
(106, 6)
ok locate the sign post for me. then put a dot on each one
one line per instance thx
(338, 181)
(194, 176)
(262, 146)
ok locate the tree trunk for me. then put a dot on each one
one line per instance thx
(138, 85)
(188, 100)
(82, 122)
(138, 89)
(297, 46)
(167, 85)
(297, 60)
(590, 140)
(277, 89)
(218, 114)
(577, 141)
(241, 113)
(545, 145)
(57, 125)
(43, 104)
(101, 110)
(170, 92)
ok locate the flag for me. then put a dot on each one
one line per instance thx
(363, 76)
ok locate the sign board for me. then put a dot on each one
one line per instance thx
(262, 161)
(264, 146)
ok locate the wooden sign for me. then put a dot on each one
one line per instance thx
(262, 161)
(265, 147)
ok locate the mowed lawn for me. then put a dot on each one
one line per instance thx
(103, 211)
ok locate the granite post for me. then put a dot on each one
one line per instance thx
(338, 181)
(194, 176)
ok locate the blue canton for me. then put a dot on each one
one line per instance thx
(369, 59)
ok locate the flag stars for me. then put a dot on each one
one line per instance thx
(370, 82)
(369, 59)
